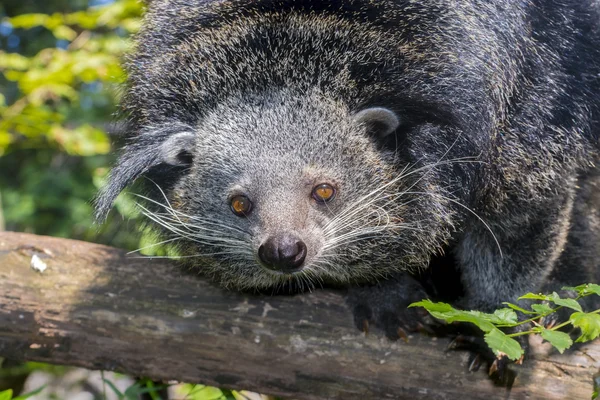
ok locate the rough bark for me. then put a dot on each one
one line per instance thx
(98, 308)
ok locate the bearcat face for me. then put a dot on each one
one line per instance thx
(279, 186)
(300, 146)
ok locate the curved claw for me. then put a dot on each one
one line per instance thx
(402, 334)
(365, 327)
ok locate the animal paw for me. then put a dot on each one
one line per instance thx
(384, 306)
(497, 365)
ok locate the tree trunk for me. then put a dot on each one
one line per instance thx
(96, 307)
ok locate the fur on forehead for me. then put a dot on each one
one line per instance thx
(277, 116)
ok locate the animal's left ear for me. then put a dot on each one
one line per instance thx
(380, 121)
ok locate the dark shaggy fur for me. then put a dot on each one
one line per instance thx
(479, 141)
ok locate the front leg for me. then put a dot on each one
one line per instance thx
(384, 305)
(518, 258)
(516, 255)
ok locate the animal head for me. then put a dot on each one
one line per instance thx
(281, 187)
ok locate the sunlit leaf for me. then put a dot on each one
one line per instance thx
(447, 313)
(27, 21)
(543, 308)
(533, 296)
(520, 309)
(499, 342)
(6, 394)
(586, 289)
(569, 303)
(200, 392)
(13, 61)
(64, 32)
(589, 323)
(85, 140)
(504, 316)
(560, 340)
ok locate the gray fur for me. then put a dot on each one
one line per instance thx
(489, 112)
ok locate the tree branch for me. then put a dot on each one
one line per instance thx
(97, 308)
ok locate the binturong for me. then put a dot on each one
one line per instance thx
(352, 142)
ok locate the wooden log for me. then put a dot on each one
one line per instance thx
(96, 307)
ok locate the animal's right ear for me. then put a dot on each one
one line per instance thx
(171, 146)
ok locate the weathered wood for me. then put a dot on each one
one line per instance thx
(97, 308)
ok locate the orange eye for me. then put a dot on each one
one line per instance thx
(241, 205)
(323, 193)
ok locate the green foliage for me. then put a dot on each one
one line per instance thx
(134, 391)
(488, 323)
(201, 392)
(27, 368)
(8, 394)
(57, 102)
(502, 343)
(52, 83)
(589, 323)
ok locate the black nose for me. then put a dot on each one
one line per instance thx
(284, 253)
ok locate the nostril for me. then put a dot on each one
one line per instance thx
(284, 253)
(289, 249)
(267, 252)
(300, 254)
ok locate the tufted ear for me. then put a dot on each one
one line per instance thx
(379, 121)
(177, 149)
(171, 146)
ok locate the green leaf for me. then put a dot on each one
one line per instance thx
(499, 342)
(542, 308)
(200, 392)
(14, 61)
(30, 394)
(560, 340)
(27, 21)
(532, 296)
(135, 391)
(64, 32)
(519, 309)
(447, 313)
(569, 303)
(592, 288)
(114, 388)
(504, 316)
(585, 290)
(6, 395)
(589, 323)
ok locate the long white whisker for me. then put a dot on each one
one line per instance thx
(152, 245)
(176, 213)
(458, 203)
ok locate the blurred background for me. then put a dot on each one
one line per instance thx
(59, 88)
(59, 84)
